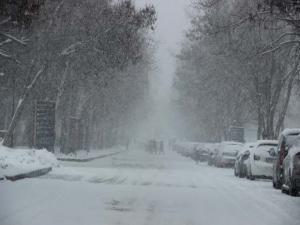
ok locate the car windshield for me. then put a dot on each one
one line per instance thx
(149, 112)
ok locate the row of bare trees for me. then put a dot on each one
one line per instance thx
(239, 63)
(94, 56)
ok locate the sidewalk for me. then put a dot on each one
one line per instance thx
(30, 174)
(84, 156)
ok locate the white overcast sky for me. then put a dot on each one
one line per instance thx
(172, 19)
(171, 24)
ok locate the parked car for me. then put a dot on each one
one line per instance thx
(200, 153)
(260, 161)
(291, 170)
(240, 169)
(227, 154)
(286, 138)
(187, 149)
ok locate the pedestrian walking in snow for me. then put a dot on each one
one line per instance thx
(197, 156)
(161, 147)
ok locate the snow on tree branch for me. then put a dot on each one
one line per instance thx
(22, 41)
(5, 21)
(279, 46)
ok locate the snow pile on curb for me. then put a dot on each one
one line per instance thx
(16, 161)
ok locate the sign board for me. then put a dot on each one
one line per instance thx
(236, 134)
(44, 125)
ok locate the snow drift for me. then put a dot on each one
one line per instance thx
(16, 161)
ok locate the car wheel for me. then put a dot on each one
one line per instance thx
(276, 183)
(251, 177)
(292, 190)
(247, 174)
(283, 190)
(286, 182)
(241, 175)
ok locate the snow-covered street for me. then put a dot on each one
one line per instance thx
(137, 188)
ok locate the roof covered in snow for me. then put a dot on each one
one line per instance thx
(263, 142)
(288, 131)
(231, 143)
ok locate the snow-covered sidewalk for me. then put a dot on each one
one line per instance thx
(85, 156)
(19, 162)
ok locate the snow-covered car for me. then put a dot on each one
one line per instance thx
(291, 170)
(186, 148)
(227, 154)
(286, 138)
(200, 153)
(261, 158)
(240, 168)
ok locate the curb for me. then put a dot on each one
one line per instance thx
(35, 173)
(88, 159)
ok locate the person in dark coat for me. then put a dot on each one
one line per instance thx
(161, 147)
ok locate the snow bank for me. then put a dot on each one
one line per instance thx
(16, 161)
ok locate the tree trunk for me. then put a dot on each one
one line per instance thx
(20, 107)
(286, 104)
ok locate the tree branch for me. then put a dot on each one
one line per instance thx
(70, 49)
(21, 41)
(4, 55)
(5, 21)
(279, 46)
(20, 107)
(5, 42)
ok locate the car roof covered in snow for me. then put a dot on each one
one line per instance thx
(247, 146)
(263, 142)
(231, 143)
(288, 131)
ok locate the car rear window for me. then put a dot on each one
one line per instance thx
(290, 139)
(266, 147)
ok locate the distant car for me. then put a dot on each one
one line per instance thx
(187, 149)
(200, 153)
(240, 168)
(260, 161)
(227, 154)
(291, 170)
(286, 138)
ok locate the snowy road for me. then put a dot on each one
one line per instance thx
(135, 188)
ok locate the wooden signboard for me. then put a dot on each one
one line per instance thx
(44, 125)
(236, 134)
